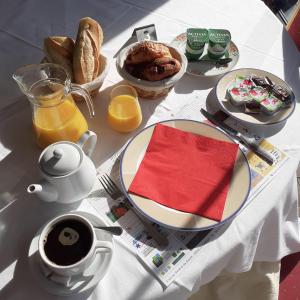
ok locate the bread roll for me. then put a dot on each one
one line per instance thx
(147, 51)
(161, 68)
(59, 50)
(87, 49)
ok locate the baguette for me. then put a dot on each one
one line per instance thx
(59, 50)
(89, 40)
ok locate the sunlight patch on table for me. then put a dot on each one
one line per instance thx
(7, 275)
(4, 152)
(6, 199)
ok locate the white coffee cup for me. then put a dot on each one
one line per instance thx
(68, 236)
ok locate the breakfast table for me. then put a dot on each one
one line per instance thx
(265, 230)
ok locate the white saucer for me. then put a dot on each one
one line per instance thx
(82, 282)
(203, 68)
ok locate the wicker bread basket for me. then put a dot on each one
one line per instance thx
(151, 89)
(94, 86)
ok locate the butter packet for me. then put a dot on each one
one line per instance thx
(218, 40)
(271, 105)
(196, 39)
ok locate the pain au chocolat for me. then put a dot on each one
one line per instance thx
(161, 68)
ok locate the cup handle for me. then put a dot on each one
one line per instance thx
(89, 138)
(103, 247)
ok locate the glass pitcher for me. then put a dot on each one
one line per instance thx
(55, 115)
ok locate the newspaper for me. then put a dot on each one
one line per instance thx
(260, 171)
(165, 264)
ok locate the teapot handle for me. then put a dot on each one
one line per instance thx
(88, 142)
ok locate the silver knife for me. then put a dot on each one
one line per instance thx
(247, 142)
(219, 63)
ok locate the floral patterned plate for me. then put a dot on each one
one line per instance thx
(205, 67)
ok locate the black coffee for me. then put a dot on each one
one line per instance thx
(68, 242)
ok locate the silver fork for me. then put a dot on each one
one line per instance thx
(115, 193)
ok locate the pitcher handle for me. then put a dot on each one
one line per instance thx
(89, 138)
(75, 88)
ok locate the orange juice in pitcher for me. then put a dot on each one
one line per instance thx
(55, 115)
(58, 122)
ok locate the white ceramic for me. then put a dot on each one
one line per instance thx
(151, 85)
(255, 119)
(97, 246)
(203, 68)
(69, 173)
(76, 284)
(238, 190)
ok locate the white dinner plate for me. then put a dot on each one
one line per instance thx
(256, 119)
(205, 69)
(237, 194)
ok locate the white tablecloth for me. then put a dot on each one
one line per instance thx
(266, 230)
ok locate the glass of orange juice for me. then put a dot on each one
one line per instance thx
(124, 111)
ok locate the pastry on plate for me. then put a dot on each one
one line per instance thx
(147, 51)
(161, 68)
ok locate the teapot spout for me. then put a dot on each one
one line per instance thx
(45, 191)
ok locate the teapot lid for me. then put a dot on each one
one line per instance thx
(60, 158)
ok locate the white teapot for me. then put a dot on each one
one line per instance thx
(69, 174)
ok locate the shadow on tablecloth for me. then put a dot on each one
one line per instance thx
(291, 62)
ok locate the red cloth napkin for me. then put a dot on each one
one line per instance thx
(186, 172)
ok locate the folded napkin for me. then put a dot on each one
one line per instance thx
(186, 172)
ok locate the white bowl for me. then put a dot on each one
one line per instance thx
(151, 89)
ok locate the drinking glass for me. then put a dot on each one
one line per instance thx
(124, 111)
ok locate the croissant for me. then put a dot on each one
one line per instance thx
(147, 51)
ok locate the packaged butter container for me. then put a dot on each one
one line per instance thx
(259, 93)
(195, 42)
(218, 40)
(271, 105)
(244, 82)
(238, 96)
